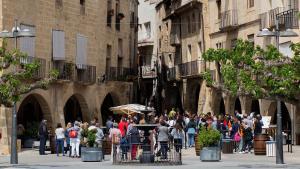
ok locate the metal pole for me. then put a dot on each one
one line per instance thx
(279, 146)
(14, 153)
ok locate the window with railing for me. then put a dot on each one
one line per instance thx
(110, 13)
(118, 17)
(85, 74)
(65, 70)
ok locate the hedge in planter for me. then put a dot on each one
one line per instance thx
(209, 139)
(91, 152)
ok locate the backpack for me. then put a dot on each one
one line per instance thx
(237, 137)
(115, 139)
(73, 134)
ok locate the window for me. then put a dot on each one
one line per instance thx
(159, 27)
(199, 49)
(250, 3)
(219, 8)
(58, 45)
(189, 53)
(193, 23)
(58, 4)
(159, 43)
(167, 26)
(110, 13)
(108, 56)
(27, 44)
(81, 51)
(219, 45)
(188, 24)
(82, 7)
(199, 20)
(148, 30)
(118, 19)
(120, 48)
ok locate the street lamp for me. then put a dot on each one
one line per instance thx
(16, 33)
(287, 33)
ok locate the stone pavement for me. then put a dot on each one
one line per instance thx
(30, 159)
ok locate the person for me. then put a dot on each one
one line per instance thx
(43, 135)
(163, 138)
(172, 113)
(92, 126)
(115, 136)
(241, 134)
(247, 138)
(99, 137)
(123, 126)
(59, 139)
(142, 120)
(134, 137)
(75, 139)
(191, 130)
(178, 136)
(257, 126)
(67, 139)
(109, 123)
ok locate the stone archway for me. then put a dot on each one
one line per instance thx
(106, 104)
(76, 109)
(173, 98)
(255, 107)
(286, 119)
(32, 110)
(222, 109)
(237, 105)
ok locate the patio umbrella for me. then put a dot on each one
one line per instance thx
(130, 109)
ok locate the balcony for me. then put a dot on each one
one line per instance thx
(148, 72)
(118, 74)
(229, 20)
(85, 74)
(171, 73)
(288, 18)
(191, 69)
(40, 73)
(65, 70)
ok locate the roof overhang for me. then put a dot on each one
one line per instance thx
(193, 4)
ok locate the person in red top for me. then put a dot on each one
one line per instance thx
(123, 125)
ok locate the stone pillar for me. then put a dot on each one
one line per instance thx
(229, 104)
(246, 103)
(185, 99)
(5, 128)
(202, 98)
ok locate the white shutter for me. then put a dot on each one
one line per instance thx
(285, 49)
(58, 45)
(81, 51)
(27, 44)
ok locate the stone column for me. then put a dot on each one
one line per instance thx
(5, 128)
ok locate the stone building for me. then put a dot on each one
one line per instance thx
(187, 28)
(93, 44)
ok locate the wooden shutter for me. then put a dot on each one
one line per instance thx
(58, 45)
(81, 51)
(27, 44)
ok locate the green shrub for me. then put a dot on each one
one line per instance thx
(91, 138)
(209, 137)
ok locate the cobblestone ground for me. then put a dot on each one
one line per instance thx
(30, 159)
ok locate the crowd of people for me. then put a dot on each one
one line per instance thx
(173, 129)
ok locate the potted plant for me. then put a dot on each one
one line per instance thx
(91, 152)
(209, 140)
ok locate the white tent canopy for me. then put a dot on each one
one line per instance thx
(131, 109)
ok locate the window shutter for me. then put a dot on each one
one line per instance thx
(27, 44)
(58, 45)
(81, 51)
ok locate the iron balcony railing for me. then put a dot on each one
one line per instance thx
(118, 74)
(85, 74)
(288, 18)
(193, 68)
(148, 72)
(229, 20)
(41, 71)
(272, 15)
(65, 70)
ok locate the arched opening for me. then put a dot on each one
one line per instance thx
(32, 111)
(286, 119)
(222, 107)
(255, 107)
(72, 110)
(105, 112)
(173, 98)
(237, 105)
(196, 100)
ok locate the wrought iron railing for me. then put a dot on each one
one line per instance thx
(118, 74)
(65, 70)
(272, 15)
(85, 74)
(192, 68)
(229, 19)
(41, 71)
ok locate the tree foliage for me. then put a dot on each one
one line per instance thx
(250, 70)
(18, 77)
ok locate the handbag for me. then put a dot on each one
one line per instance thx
(237, 137)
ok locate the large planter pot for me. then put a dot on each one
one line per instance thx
(91, 154)
(210, 154)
